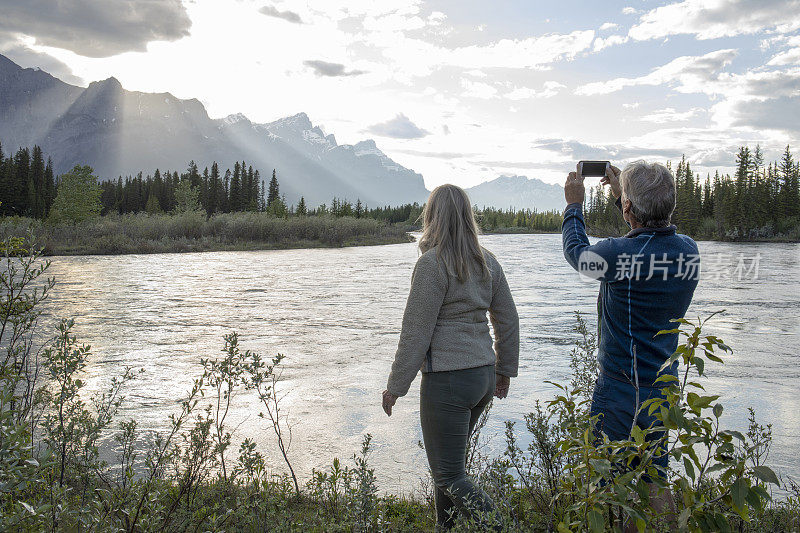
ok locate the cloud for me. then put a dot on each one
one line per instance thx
(96, 28)
(687, 72)
(549, 89)
(669, 114)
(759, 84)
(415, 57)
(787, 57)
(323, 68)
(711, 19)
(438, 155)
(400, 127)
(478, 89)
(790, 56)
(629, 10)
(608, 26)
(612, 40)
(527, 165)
(289, 16)
(477, 73)
(777, 114)
(521, 53)
(25, 56)
(576, 151)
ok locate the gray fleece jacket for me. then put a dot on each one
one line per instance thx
(445, 325)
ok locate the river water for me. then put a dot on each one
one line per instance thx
(335, 314)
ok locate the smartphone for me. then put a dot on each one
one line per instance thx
(593, 168)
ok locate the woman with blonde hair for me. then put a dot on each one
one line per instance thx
(445, 334)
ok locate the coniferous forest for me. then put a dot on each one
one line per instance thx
(761, 201)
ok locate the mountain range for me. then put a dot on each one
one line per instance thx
(121, 132)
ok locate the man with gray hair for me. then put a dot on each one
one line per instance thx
(647, 278)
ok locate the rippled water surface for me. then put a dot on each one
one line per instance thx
(335, 314)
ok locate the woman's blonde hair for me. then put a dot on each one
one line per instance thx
(448, 224)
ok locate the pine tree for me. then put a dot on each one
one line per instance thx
(788, 184)
(225, 203)
(254, 189)
(708, 200)
(194, 175)
(301, 207)
(215, 191)
(49, 187)
(6, 177)
(20, 183)
(274, 190)
(236, 189)
(204, 190)
(36, 182)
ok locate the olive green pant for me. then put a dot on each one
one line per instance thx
(450, 405)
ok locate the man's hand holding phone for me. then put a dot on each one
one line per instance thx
(612, 178)
(574, 189)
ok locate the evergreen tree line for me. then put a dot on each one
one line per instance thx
(233, 191)
(27, 183)
(758, 201)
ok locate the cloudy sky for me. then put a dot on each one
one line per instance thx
(459, 90)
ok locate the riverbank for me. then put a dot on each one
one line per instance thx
(194, 232)
(602, 234)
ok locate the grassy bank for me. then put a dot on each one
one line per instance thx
(194, 232)
(790, 235)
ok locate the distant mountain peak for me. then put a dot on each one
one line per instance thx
(110, 83)
(367, 147)
(7, 63)
(235, 118)
(519, 192)
(299, 121)
(367, 144)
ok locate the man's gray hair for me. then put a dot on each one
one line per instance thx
(650, 187)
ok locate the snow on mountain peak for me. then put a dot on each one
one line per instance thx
(299, 121)
(367, 147)
(235, 119)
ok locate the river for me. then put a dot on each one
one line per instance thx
(335, 314)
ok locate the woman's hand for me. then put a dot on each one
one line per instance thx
(501, 386)
(388, 402)
(612, 178)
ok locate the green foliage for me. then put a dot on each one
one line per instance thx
(349, 493)
(193, 231)
(188, 477)
(78, 197)
(187, 197)
(522, 221)
(721, 483)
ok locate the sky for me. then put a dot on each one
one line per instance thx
(461, 91)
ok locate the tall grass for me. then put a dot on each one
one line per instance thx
(194, 232)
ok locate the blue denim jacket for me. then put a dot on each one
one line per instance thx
(646, 278)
